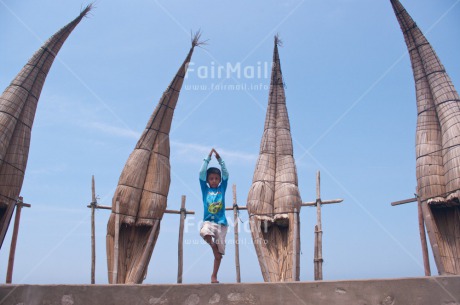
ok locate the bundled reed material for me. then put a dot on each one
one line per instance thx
(274, 193)
(17, 112)
(437, 143)
(142, 190)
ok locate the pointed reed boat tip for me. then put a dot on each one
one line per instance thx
(196, 39)
(87, 9)
(278, 41)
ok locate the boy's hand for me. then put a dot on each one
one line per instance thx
(215, 152)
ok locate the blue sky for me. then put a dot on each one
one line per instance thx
(350, 96)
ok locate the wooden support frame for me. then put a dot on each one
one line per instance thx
(19, 205)
(235, 208)
(116, 243)
(180, 243)
(318, 249)
(421, 227)
(294, 245)
(432, 231)
(94, 205)
(237, 244)
(423, 213)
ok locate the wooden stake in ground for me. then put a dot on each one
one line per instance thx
(294, 244)
(421, 227)
(93, 231)
(237, 245)
(14, 238)
(235, 210)
(180, 244)
(318, 260)
(116, 244)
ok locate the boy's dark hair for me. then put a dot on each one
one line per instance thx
(213, 170)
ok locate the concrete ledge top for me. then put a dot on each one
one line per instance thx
(442, 290)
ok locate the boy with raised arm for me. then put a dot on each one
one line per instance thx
(214, 229)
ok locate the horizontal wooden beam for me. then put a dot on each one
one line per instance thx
(24, 205)
(404, 201)
(313, 203)
(239, 208)
(178, 212)
(104, 207)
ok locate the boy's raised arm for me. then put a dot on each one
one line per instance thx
(204, 167)
(222, 166)
(224, 169)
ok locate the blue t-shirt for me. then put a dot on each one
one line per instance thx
(214, 198)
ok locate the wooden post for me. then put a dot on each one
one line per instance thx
(237, 245)
(180, 244)
(294, 246)
(315, 255)
(9, 273)
(432, 231)
(421, 226)
(319, 232)
(93, 231)
(115, 247)
(318, 251)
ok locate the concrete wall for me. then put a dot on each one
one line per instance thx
(442, 290)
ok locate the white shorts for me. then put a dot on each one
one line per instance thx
(217, 231)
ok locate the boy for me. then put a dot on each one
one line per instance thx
(213, 186)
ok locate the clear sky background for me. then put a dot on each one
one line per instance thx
(351, 101)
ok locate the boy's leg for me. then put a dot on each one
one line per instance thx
(218, 249)
(214, 247)
(207, 232)
(219, 238)
(216, 268)
(217, 257)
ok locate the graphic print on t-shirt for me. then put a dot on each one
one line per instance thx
(214, 202)
(215, 207)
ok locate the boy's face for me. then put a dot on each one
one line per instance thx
(213, 180)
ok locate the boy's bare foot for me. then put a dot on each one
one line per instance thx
(214, 280)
